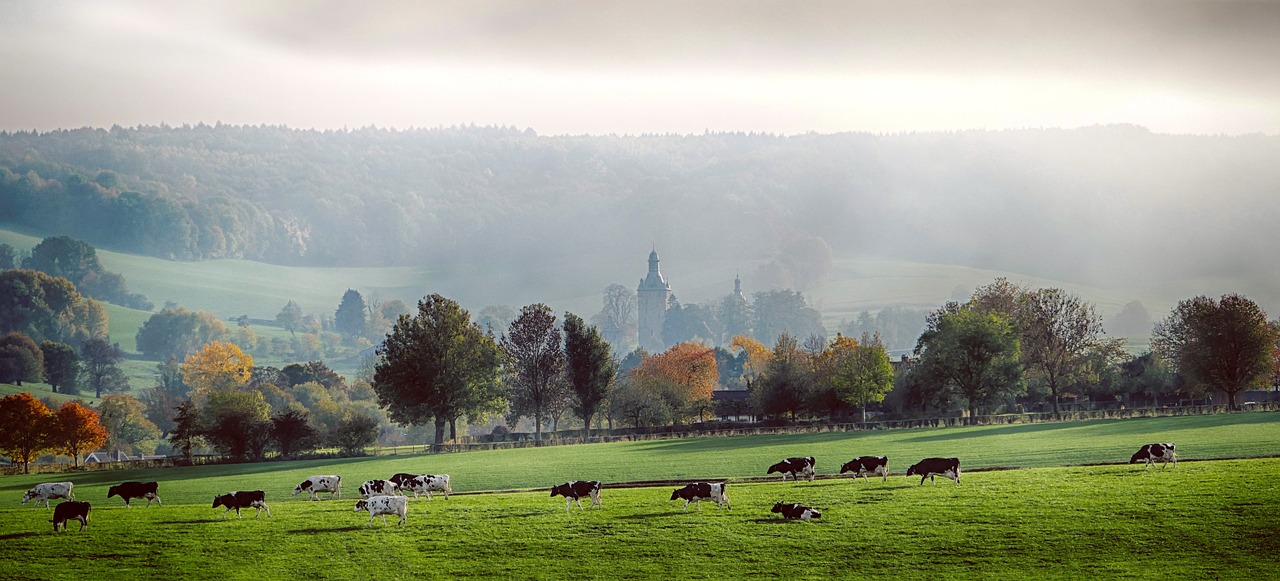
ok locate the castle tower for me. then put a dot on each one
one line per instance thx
(737, 288)
(652, 297)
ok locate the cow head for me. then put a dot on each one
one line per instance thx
(223, 500)
(114, 490)
(559, 489)
(676, 494)
(361, 505)
(28, 496)
(850, 466)
(915, 470)
(777, 507)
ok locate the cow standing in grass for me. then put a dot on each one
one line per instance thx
(1152, 453)
(864, 465)
(574, 490)
(48, 491)
(930, 467)
(242, 499)
(426, 483)
(383, 506)
(131, 490)
(317, 484)
(70, 510)
(378, 488)
(793, 466)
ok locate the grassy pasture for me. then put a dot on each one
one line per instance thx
(1215, 519)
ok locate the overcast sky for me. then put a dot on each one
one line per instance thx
(644, 67)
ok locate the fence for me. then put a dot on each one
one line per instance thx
(470, 443)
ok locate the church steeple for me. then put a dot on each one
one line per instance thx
(737, 287)
(652, 297)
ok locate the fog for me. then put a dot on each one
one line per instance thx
(653, 67)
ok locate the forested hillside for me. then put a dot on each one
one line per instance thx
(1103, 205)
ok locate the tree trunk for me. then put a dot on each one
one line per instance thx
(586, 429)
(537, 427)
(453, 429)
(1057, 413)
(439, 430)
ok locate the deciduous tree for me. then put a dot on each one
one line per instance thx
(590, 367)
(292, 433)
(973, 352)
(20, 359)
(188, 429)
(1224, 344)
(535, 364)
(217, 366)
(24, 428)
(354, 433)
(437, 365)
(125, 421)
(1058, 331)
(76, 430)
(177, 332)
(617, 318)
(688, 370)
(45, 307)
(99, 358)
(290, 317)
(61, 366)
(863, 373)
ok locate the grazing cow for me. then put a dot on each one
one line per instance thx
(792, 510)
(930, 467)
(378, 488)
(574, 490)
(243, 499)
(131, 490)
(792, 466)
(1152, 453)
(425, 483)
(48, 491)
(699, 491)
(863, 465)
(316, 484)
(383, 506)
(70, 510)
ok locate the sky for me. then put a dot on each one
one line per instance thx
(654, 66)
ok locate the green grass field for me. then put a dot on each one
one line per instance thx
(1198, 520)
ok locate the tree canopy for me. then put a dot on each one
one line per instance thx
(1224, 344)
(590, 366)
(975, 353)
(535, 362)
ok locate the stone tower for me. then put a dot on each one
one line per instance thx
(652, 297)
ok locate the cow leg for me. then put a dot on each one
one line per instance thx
(84, 522)
(579, 501)
(415, 494)
(686, 506)
(567, 502)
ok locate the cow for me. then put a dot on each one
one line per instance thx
(1152, 453)
(314, 485)
(699, 491)
(930, 467)
(131, 490)
(574, 490)
(383, 506)
(425, 483)
(792, 466)
(378, 488)
(48, 491)
(70, 510)
(243, 499)
(401, 478)
(792, 510)
(863, 465)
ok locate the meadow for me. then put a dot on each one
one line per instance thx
(1056, 518)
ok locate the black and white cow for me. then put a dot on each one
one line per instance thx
(699, 491)
(574, 490)
(864, 465)
(792, 466)
(48, 491)
(930, 467)
(1152, 453)
(316, 484)
(378, 488)
(425, 483)
(383, 506)
(70, 510)
(792, 510)
(131, 490)
(243, 499)
(402, 477)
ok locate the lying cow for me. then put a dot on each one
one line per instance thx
(70, 510)
(700, 491)
(930, 467)
(243, 499)
(792, 466)
(792, 510)
(317, 484)
(383, 506)
(1152, 453)
(574, 490)
(378, 488)
(131, 490)
(864, 465)
(48, 491)
(425, 483)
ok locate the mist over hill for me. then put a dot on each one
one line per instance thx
(1105, 206)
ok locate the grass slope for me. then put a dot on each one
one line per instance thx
(1199, 520)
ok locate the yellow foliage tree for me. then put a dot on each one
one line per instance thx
(689, 368)
(217, 366)
(758, 357)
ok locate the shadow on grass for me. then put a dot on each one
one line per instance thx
(189, 521)
(652, 515)
(519, 514)
(779, 521)
(18, 536)
(317, 530)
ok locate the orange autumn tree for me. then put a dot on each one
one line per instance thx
(758, 357)
(217, 366)
(76, 430)
(24, 428)
(687, 374)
